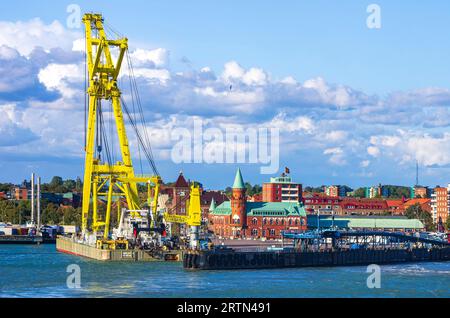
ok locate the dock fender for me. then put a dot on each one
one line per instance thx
(230, 260)
(259, 259)
(273, 259)
(237, 260)
(195, 261)
(280, 260)
(267, 259)
(185, 260)
(211, 260)
(223, 260)
(253, 261)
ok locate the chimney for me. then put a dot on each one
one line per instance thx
(38, 203)
(32, 198)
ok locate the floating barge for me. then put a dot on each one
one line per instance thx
(69, 246)
(333, 248)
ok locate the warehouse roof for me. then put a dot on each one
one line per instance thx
(264, 209)
(366, 222)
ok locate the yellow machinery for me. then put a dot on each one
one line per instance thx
(194, 217)
(107, 180)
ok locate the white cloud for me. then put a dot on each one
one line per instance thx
(62, 77)
(295, 124)
(337, 156)
(24, 36)
(364, 163)
(11, 129)
(158, 57)
(234, 72)
(373, 151)
(336, 135)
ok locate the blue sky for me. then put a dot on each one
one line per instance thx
(395, 82)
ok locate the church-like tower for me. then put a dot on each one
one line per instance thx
(238, 201)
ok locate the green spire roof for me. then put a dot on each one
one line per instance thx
(212, 207)
(238, 181)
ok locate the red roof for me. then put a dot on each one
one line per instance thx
(394, 203)
(181, 182)
(416, 201)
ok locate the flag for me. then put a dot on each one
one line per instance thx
(286, 169)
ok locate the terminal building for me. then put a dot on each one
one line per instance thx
(239, 218)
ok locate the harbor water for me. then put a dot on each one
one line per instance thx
(40, 271)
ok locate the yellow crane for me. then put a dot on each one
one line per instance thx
(108, 180)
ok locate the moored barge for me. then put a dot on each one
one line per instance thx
(328, 248)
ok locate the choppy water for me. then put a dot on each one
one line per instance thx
(40, 271)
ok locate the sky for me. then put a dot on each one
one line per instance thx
(352, 105)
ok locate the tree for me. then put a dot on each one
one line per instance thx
(70, 184)
(360, 193)
(416, 212)
(51, 214)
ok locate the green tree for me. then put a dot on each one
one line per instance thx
(51, 214)
(416, 212)
(57, 185)
(70, 215)
(69, 184)
(5, 187)
(360, 193)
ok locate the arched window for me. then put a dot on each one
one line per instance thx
(255, 221)
(264, 221)
(290, 221)
(271, 221)
(254, 232)
(296, 222)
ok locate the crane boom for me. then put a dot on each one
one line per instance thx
(111, 181)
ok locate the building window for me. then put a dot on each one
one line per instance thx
(271, 221)
(272, 232)
(254, 232)
(255, 221)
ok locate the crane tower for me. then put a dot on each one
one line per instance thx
(107, 180)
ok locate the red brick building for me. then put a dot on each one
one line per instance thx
(320, 203)
(357, 206)
(282, 189)
(211, 199)
(317, 203)
(439, 204)
(239, 218)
